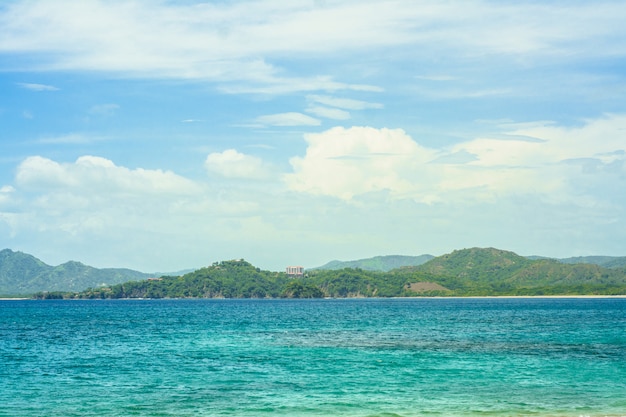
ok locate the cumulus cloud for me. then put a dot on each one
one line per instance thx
(233, 164)
(99, 176)
(94, 200)
(288, 119)
(346, 162)
(144, 214)
(5, 194)
(550, 161)
(467, 194)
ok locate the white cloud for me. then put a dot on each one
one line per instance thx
(286, 85)
(123, 212)
(356, 192)
(233, 164)
(343, 103)
(73, 138)
(440, 77)
(100, 177)
(114, 213)
(346, 162)
(557, 163)
(287, 119)
(328, 112)
(38, 87)
(5, 194)
(238, 41)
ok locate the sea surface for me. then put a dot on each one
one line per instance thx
(354, 357)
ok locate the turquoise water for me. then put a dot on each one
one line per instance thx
(372, 357)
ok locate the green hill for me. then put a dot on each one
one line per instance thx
(240, 279)
(476, 263)
(21, 273)
(466, 272)
(227, 279)
(490, 271)
(378, 263)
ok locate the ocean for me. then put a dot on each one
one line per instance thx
(348, 357)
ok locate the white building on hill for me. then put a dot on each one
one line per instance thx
(295, 271)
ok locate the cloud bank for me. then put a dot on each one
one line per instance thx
(352, 187)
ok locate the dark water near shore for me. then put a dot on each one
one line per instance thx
(373, 357)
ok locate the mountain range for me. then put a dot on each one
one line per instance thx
(464, 270)
(387, 263)
(22, 274)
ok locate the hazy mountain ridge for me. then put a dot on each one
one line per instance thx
(378, 263)
(605, 261)
(21, 273)
(390, 262)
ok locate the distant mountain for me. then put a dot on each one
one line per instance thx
(605, 261)
(21, 273)
(378, 263)
(466, 272)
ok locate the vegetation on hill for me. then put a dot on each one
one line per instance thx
(491, 271)
(227, 279)
(467, 272)
(21, 273)
(240, 279)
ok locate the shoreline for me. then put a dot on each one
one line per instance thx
(594, 296)
(532, 296)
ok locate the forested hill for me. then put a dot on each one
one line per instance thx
(468, 272)
(21, 273)
(227, 279)
(240, 279)
(493, 271)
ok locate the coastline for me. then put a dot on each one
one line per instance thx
(533, 296)
(593, 296)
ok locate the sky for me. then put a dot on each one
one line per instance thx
(167, 135)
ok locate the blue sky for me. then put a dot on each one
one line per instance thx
(163, 135)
